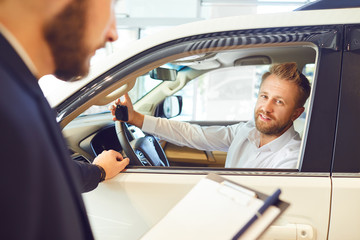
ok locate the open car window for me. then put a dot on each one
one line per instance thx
(209, 66)
(226, 93)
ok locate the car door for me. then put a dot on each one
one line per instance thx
(130, 204)
(345, 209)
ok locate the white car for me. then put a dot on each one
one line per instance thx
(218, 63)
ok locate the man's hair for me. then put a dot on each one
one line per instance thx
(290, 72)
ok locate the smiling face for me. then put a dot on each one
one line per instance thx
(77, 32)
(277, 106)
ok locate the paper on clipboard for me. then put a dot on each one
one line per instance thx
(214, 209)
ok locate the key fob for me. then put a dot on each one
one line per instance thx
(121, 113)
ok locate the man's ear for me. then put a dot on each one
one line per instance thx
(297, 113)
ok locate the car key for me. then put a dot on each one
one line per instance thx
(121, 113)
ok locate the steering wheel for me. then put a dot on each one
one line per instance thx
(142, 151)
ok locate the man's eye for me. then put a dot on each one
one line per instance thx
(279, 102)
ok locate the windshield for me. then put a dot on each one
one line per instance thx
(144, 84)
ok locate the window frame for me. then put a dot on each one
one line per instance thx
(348, 128)
(315, 157)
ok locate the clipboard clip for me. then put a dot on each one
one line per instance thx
(236, 193)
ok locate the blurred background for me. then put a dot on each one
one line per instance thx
(139, 18)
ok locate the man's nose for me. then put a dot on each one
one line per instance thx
(267, 106)
(112, 34)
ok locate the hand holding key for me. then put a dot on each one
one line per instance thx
(124, 111)
(121, 113)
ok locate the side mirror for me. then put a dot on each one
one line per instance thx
(170, 107)
(164, 74)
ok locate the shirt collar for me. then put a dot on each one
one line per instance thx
(19, 49)
(275, 145)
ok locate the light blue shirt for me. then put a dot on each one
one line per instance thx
(240, 141)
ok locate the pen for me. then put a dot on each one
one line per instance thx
(271, 200)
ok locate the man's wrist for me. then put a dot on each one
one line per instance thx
(102, 173)
(138, 119)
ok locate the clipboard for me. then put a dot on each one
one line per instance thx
(217, 208)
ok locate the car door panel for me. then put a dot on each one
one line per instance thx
(345, 207)
(179, 154)
(220, 157)
(131, 203)
(185, 156)
(345, 210)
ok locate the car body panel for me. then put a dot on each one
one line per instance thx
(348, 125)
(345, 207)
(130, 204)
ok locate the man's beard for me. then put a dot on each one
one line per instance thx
(65, 35)
(276, 128)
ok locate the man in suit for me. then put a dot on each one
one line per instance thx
(40, 184)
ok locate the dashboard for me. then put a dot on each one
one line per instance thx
(105, 139)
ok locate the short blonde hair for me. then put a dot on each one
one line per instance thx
(290, 72)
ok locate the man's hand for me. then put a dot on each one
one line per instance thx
(112, 162)
(135, 118)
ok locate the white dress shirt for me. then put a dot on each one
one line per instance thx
(241, 141)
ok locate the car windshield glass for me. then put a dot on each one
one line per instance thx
(144, 84)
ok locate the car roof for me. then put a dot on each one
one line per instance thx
(257, 21)
(329, 4)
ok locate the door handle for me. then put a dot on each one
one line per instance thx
(289, 232)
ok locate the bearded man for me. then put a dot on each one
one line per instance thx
(40, 183)
(267, 141)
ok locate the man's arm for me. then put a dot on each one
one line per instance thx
(89, 174)
(179, 133)
(110, 161)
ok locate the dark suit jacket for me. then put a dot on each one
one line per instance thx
(39, 185)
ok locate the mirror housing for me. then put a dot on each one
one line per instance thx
(170, 107)
(164, 74)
